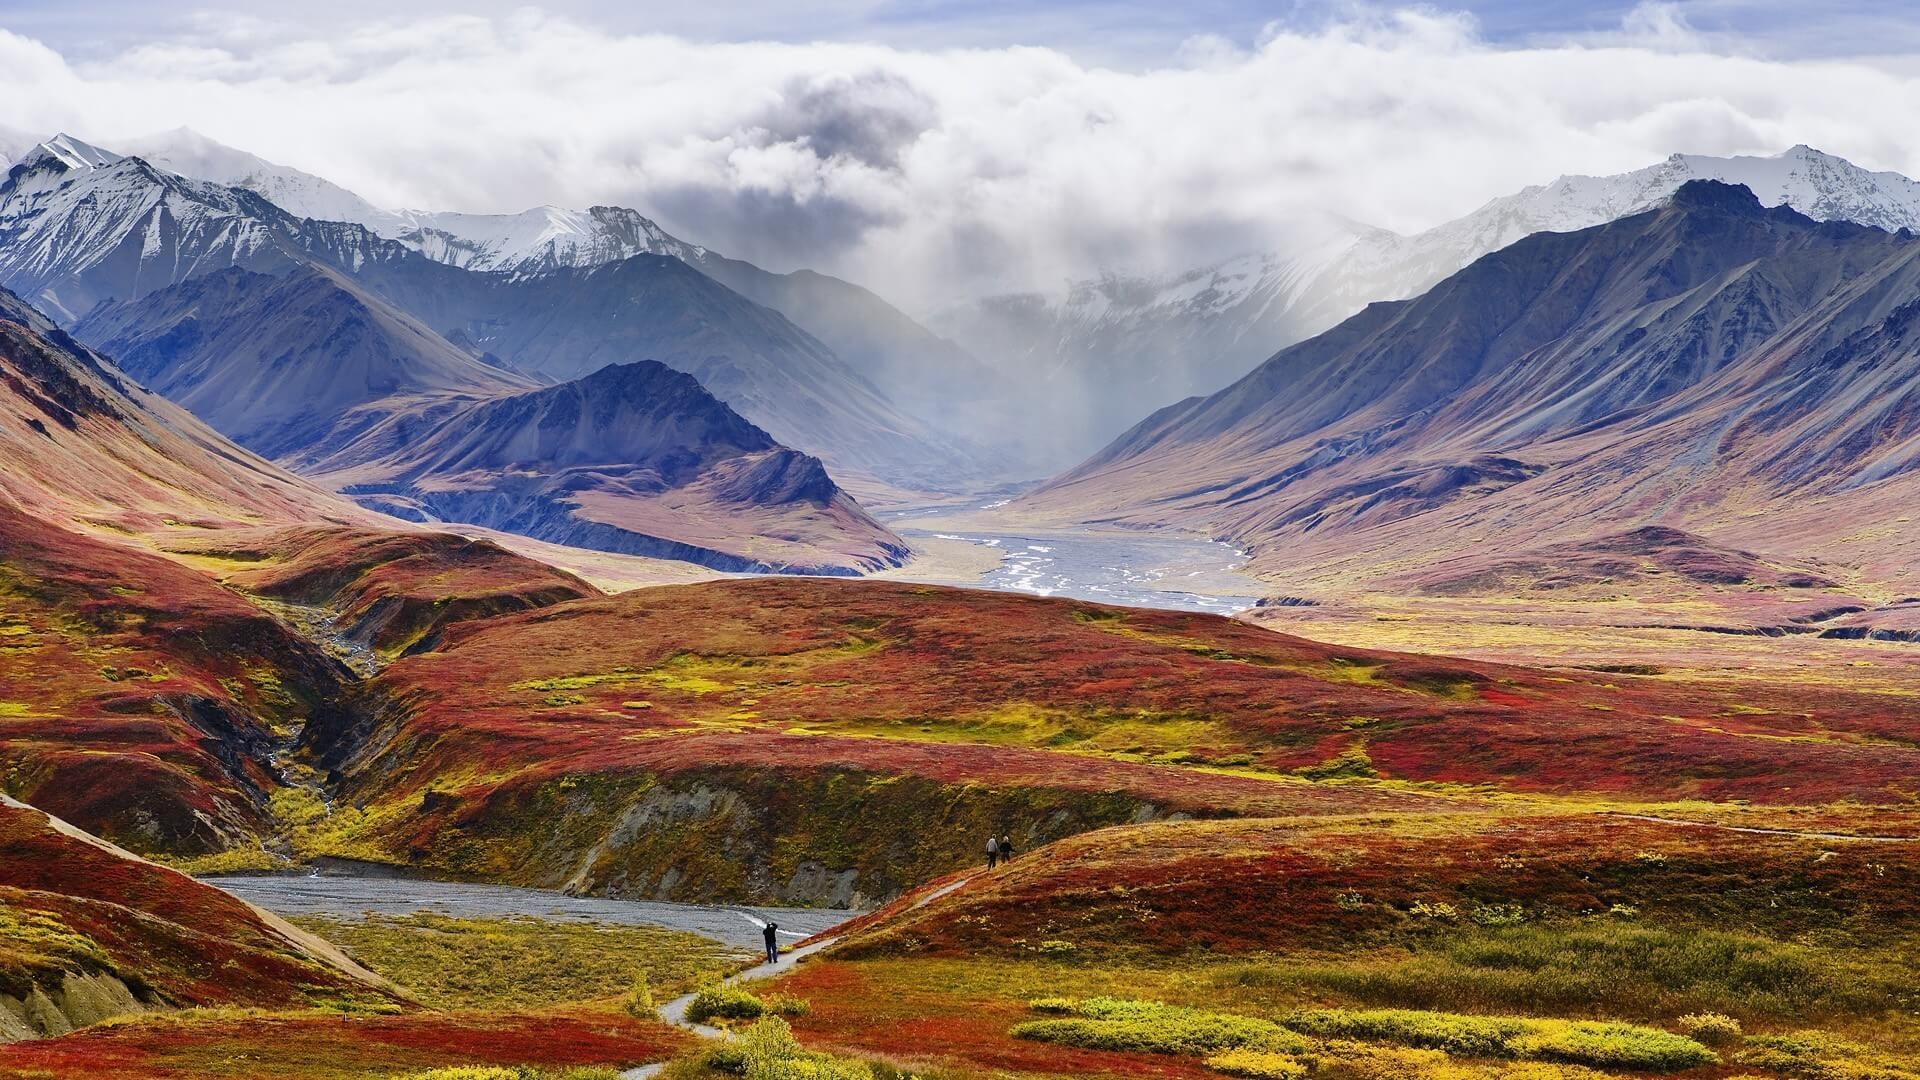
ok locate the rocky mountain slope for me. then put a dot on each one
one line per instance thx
(1192, 333)
(85, 446)
(1695, 365)
(928, 375)
(314, 369)
(634, 458)
(286, 365)
(82, 226)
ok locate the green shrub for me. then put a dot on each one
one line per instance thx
(1624, 1046)
(768, 1051)
(1257, 1064)
(723, 1002)
(1712, 1029)
(640, 996)
(1573, 1042)
(1467, 1036)
(1054, 1005)
(1341, 1060)
(1153, 1028)
(784, 1004)
(1819, 1056)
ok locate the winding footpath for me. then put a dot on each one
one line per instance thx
(675, 1012)
(1759, 831)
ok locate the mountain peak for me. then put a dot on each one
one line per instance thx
(72, 153)
(1716, 195)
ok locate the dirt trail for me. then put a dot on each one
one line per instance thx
(1758, 831)
(675, 1012)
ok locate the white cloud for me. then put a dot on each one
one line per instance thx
(930, 173)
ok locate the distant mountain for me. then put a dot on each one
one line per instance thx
(925, 373)
(635, 458)
(1710, 364)
(188, 153)
(286, 365)
(569, 323)
(312, 368)
(1154, 340)
(80, 226)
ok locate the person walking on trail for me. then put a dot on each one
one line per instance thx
(993, 852)
(773, 943)
(1006, 849)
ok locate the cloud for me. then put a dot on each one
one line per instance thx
(931, 174)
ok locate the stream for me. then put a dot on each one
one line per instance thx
(1180, 573)
(353, 896)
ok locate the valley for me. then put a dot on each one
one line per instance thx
(435, 644)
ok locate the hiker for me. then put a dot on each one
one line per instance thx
(1006, 849)
(993, 852)
(773, 944)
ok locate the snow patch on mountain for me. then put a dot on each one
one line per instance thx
(532, 241)
(302, 194)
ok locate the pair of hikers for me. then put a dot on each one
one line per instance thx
(999, 851)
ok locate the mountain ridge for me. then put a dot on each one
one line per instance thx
(1658, 369)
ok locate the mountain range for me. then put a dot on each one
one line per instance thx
(284, 334)
(927, 375)
(1710, 364)
(1193, 332)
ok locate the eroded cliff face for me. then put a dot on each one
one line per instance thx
(71, 1000)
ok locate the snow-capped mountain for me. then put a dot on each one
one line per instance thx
(188, 153)
(1194, 332)
(537, 240)
(532, 241)
(1386, 266)
(79, 224)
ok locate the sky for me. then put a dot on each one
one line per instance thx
(935, 149)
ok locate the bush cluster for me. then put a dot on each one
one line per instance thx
(1576, 1042)
(1257, 1065)
(1150, 1027)
(1465, 1036)
(1712, 1029)
(768, 1051)
(1246, 1042)
(723, 1002)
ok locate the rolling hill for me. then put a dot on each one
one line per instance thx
(93, 932)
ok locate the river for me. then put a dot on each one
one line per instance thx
(349, 896)
(1181, 573)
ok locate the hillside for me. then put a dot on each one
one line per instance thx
(95, 932)
(1712, 366)
(789, 739)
